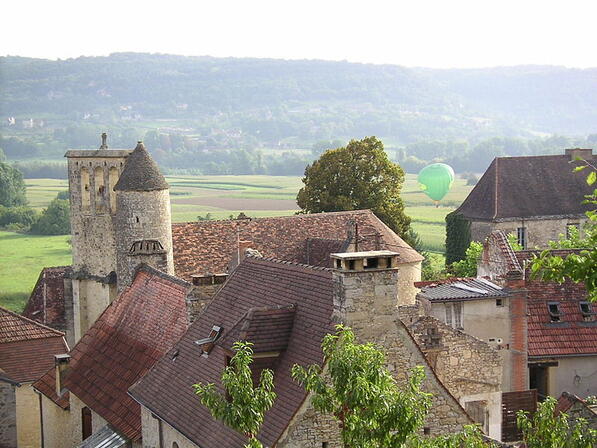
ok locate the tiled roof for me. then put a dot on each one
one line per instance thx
(15, 328)
(207, 246)
(256, 283)
(522, 187)
(571, 335)
(46, 303)
(123, 343)
(27, 348)
(141, 173)
(268, 328)
(457, 289)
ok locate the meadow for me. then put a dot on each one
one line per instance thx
(199, 197)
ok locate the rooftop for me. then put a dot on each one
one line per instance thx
(141, 173)
(460, 289)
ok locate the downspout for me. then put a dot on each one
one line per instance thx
(41, 419)
(45, 291)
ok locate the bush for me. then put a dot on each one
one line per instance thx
(22, 217)
(54, 220)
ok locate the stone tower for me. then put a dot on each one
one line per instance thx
(92, 175)
(142, 223)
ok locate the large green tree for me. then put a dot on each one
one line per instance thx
(357, 176)
(245, 405)
(54, 220)
(12, 186)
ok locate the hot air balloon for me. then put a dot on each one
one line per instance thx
(435, 180)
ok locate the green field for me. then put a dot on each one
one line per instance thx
(21, 259)
(23, 256)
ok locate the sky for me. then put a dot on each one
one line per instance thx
(423, 33)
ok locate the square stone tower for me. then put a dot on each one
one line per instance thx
(92, 175)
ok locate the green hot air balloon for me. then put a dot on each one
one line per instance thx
(435, 180)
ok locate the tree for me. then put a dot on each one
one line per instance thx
(12, 186)
(54, 220)
(468, 266)
(580, 266)
(546, 430)
(244, 410)
(363, 396)
(357, 176)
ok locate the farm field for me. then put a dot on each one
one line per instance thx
(209, 197)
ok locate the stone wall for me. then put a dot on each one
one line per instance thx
(8, 417)
(409, 273)
(56, 430)
(154, 428)
(28, 417)
(539, 231)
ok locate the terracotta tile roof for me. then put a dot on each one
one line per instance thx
(268, 328)
(27, 348)
(257, 283)
(124, 342)
(207, 246)
(523, 187)
(51, 284)
(571, 335)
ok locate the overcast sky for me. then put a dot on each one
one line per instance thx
(429, 33)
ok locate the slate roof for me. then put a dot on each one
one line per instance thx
(524, 187)
(255, 284)
(206, 247)
(141, 173)
(460, 289)
(48, 310)
(27, 348)
(124, 342)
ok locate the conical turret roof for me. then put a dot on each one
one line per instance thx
(140, 173)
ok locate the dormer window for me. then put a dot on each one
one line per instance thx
(554, 311)
(208, 343)
(587, 311)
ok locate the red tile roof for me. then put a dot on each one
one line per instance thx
(46, 303)
(572, 335)
(27, 348)
(124, 342)
(207, 246)
(256, 283)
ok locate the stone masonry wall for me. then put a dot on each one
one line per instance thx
(8, 416)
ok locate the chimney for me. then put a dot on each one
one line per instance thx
(365, 291)
(239, 254)
(204, 289)
(61, 363)
(518, 346)
(583, 153)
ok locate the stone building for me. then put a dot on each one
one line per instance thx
(561, 323)
(536, 197)
(27, 351)
(575, 407)
(489, 312)
(285, 309)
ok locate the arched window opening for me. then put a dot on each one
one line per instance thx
(112, 179)
(85, 190)
(100, 190)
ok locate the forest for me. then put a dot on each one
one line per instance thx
(204, 115)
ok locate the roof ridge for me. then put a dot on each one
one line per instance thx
(288, 263)
(26, 319)
(263, 218)
(164, 275)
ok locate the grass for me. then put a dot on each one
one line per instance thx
(22, 257)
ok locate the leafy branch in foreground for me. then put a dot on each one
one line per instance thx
(581, 266)
(244, 410)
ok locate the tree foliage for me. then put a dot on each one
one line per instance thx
(12, 186)
(54, 220)
(546, 430)
(357, 176)
(468, 266)
(246, 406)
(362, 395)
(581, 266)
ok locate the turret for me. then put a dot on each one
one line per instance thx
(143, 224)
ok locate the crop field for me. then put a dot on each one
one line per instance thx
(198, 197)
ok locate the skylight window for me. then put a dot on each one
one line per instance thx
(587, 311)
(207, 343)
(554, 311)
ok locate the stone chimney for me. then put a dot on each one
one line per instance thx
(518, 346)
(61, 363)
(365, 291)
(583, 153)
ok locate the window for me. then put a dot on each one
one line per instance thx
(587, 311)
(86, 425)
(572, 230)
(174, 445)
(521, 234)
(554, 311)
(499, 302)
(454, 315)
